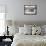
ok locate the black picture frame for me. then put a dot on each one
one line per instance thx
(30, 9)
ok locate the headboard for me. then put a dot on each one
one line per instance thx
(21, 23)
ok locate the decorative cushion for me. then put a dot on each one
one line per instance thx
(13, 30)
(36, 30)
(23, 30)
(44, 26)
(28, 26)
(44, 29)
(28, 31)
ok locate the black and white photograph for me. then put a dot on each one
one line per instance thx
(30, 9)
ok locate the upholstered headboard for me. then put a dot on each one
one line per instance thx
(21, 23)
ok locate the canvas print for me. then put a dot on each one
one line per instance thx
(30, 9)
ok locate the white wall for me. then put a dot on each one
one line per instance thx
(15, 10)
(41, 11)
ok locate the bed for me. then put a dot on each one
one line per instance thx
(29, 40)
(24, 38)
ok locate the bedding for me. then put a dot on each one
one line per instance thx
(44, 29)
(28, 40)
(36, 30)
(28, 29)
(28, 26)
(21, 30)
(13, 30)
(25, 30)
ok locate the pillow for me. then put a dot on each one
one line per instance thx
(44, 29)
(28, 26)
(21, 30)
(36, 30)
(13, 30)
(44, 26)
(28, 31)
(24, 30)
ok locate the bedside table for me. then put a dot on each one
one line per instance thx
(4, 37)
(7, 43)
(6, 40)
(11, 37)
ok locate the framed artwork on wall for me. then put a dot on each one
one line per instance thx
(30, 9)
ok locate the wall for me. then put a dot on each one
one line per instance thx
(15, 9)
(41, 12)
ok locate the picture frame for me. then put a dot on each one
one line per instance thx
(30, 9)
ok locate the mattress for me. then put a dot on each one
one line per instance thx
(28, 40)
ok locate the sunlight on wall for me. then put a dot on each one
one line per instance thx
(2, 19)
(2, 23)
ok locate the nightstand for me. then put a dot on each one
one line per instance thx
(6, 40)
(7, 43)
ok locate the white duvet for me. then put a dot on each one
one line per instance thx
(29, 40)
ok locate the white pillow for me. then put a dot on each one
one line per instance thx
(42, 30)
(23, 30)
(28, 26)
(13, 30)
(44, 27)
(36, 30)
(28, 31)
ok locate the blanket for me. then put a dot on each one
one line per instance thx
(29, 40)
